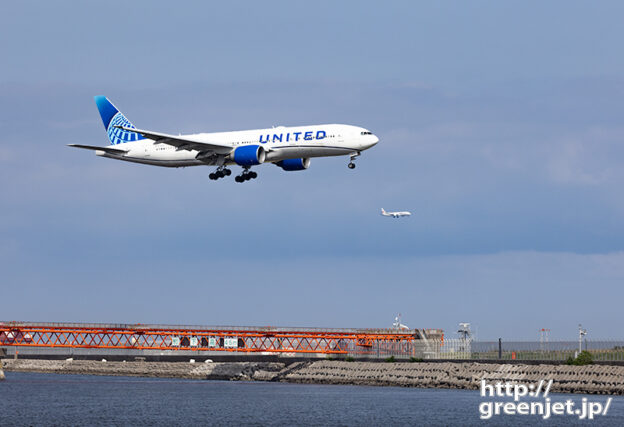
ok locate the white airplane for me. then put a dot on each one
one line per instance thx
(290, 148)
(395, 214)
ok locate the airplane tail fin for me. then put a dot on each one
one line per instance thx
(112, 117)
(383, 211)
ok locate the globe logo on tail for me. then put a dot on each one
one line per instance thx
(120, 136)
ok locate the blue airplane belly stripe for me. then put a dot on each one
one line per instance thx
(311, 146)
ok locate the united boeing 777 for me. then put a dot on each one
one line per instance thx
(290, 148)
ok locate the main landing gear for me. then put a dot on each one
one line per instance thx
(220, 173)
(246, 176)
(351, 165)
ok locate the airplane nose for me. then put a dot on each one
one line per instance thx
(372, 141)
(367, 140)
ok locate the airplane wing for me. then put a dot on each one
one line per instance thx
(181, 142)
(108, 150)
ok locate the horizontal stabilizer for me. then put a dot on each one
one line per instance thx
(105, 149)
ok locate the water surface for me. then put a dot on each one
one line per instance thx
(52, 399)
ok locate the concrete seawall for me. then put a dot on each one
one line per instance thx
(200, 371)
(592, 379)
(1, 371)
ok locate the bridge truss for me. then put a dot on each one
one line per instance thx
(380, 342)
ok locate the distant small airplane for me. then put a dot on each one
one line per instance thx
(395, 214)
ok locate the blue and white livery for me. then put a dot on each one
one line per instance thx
(290, 148)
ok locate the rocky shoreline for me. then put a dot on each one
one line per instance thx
(589, 379)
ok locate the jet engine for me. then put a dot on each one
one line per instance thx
(249, 155)
(294, 164)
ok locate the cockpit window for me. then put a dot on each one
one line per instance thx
(366, 133)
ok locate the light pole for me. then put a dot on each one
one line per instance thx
(582, 333)
(465, 337)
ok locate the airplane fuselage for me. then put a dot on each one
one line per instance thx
(280, 143)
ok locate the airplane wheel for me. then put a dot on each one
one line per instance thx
(351, 165)
(253, 175)
(239, 179)
(220, 174)
(212, 176)
(228, 172)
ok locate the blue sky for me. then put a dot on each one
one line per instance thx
(500, 126)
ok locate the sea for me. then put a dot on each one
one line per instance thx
(33, 399)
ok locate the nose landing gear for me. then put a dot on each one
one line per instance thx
(246, 176)
(351, 165)
(220, 173)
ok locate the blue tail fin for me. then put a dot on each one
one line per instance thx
(112, 117)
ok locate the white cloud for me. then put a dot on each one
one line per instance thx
(588, 157)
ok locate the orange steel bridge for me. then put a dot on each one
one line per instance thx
(220, 339)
